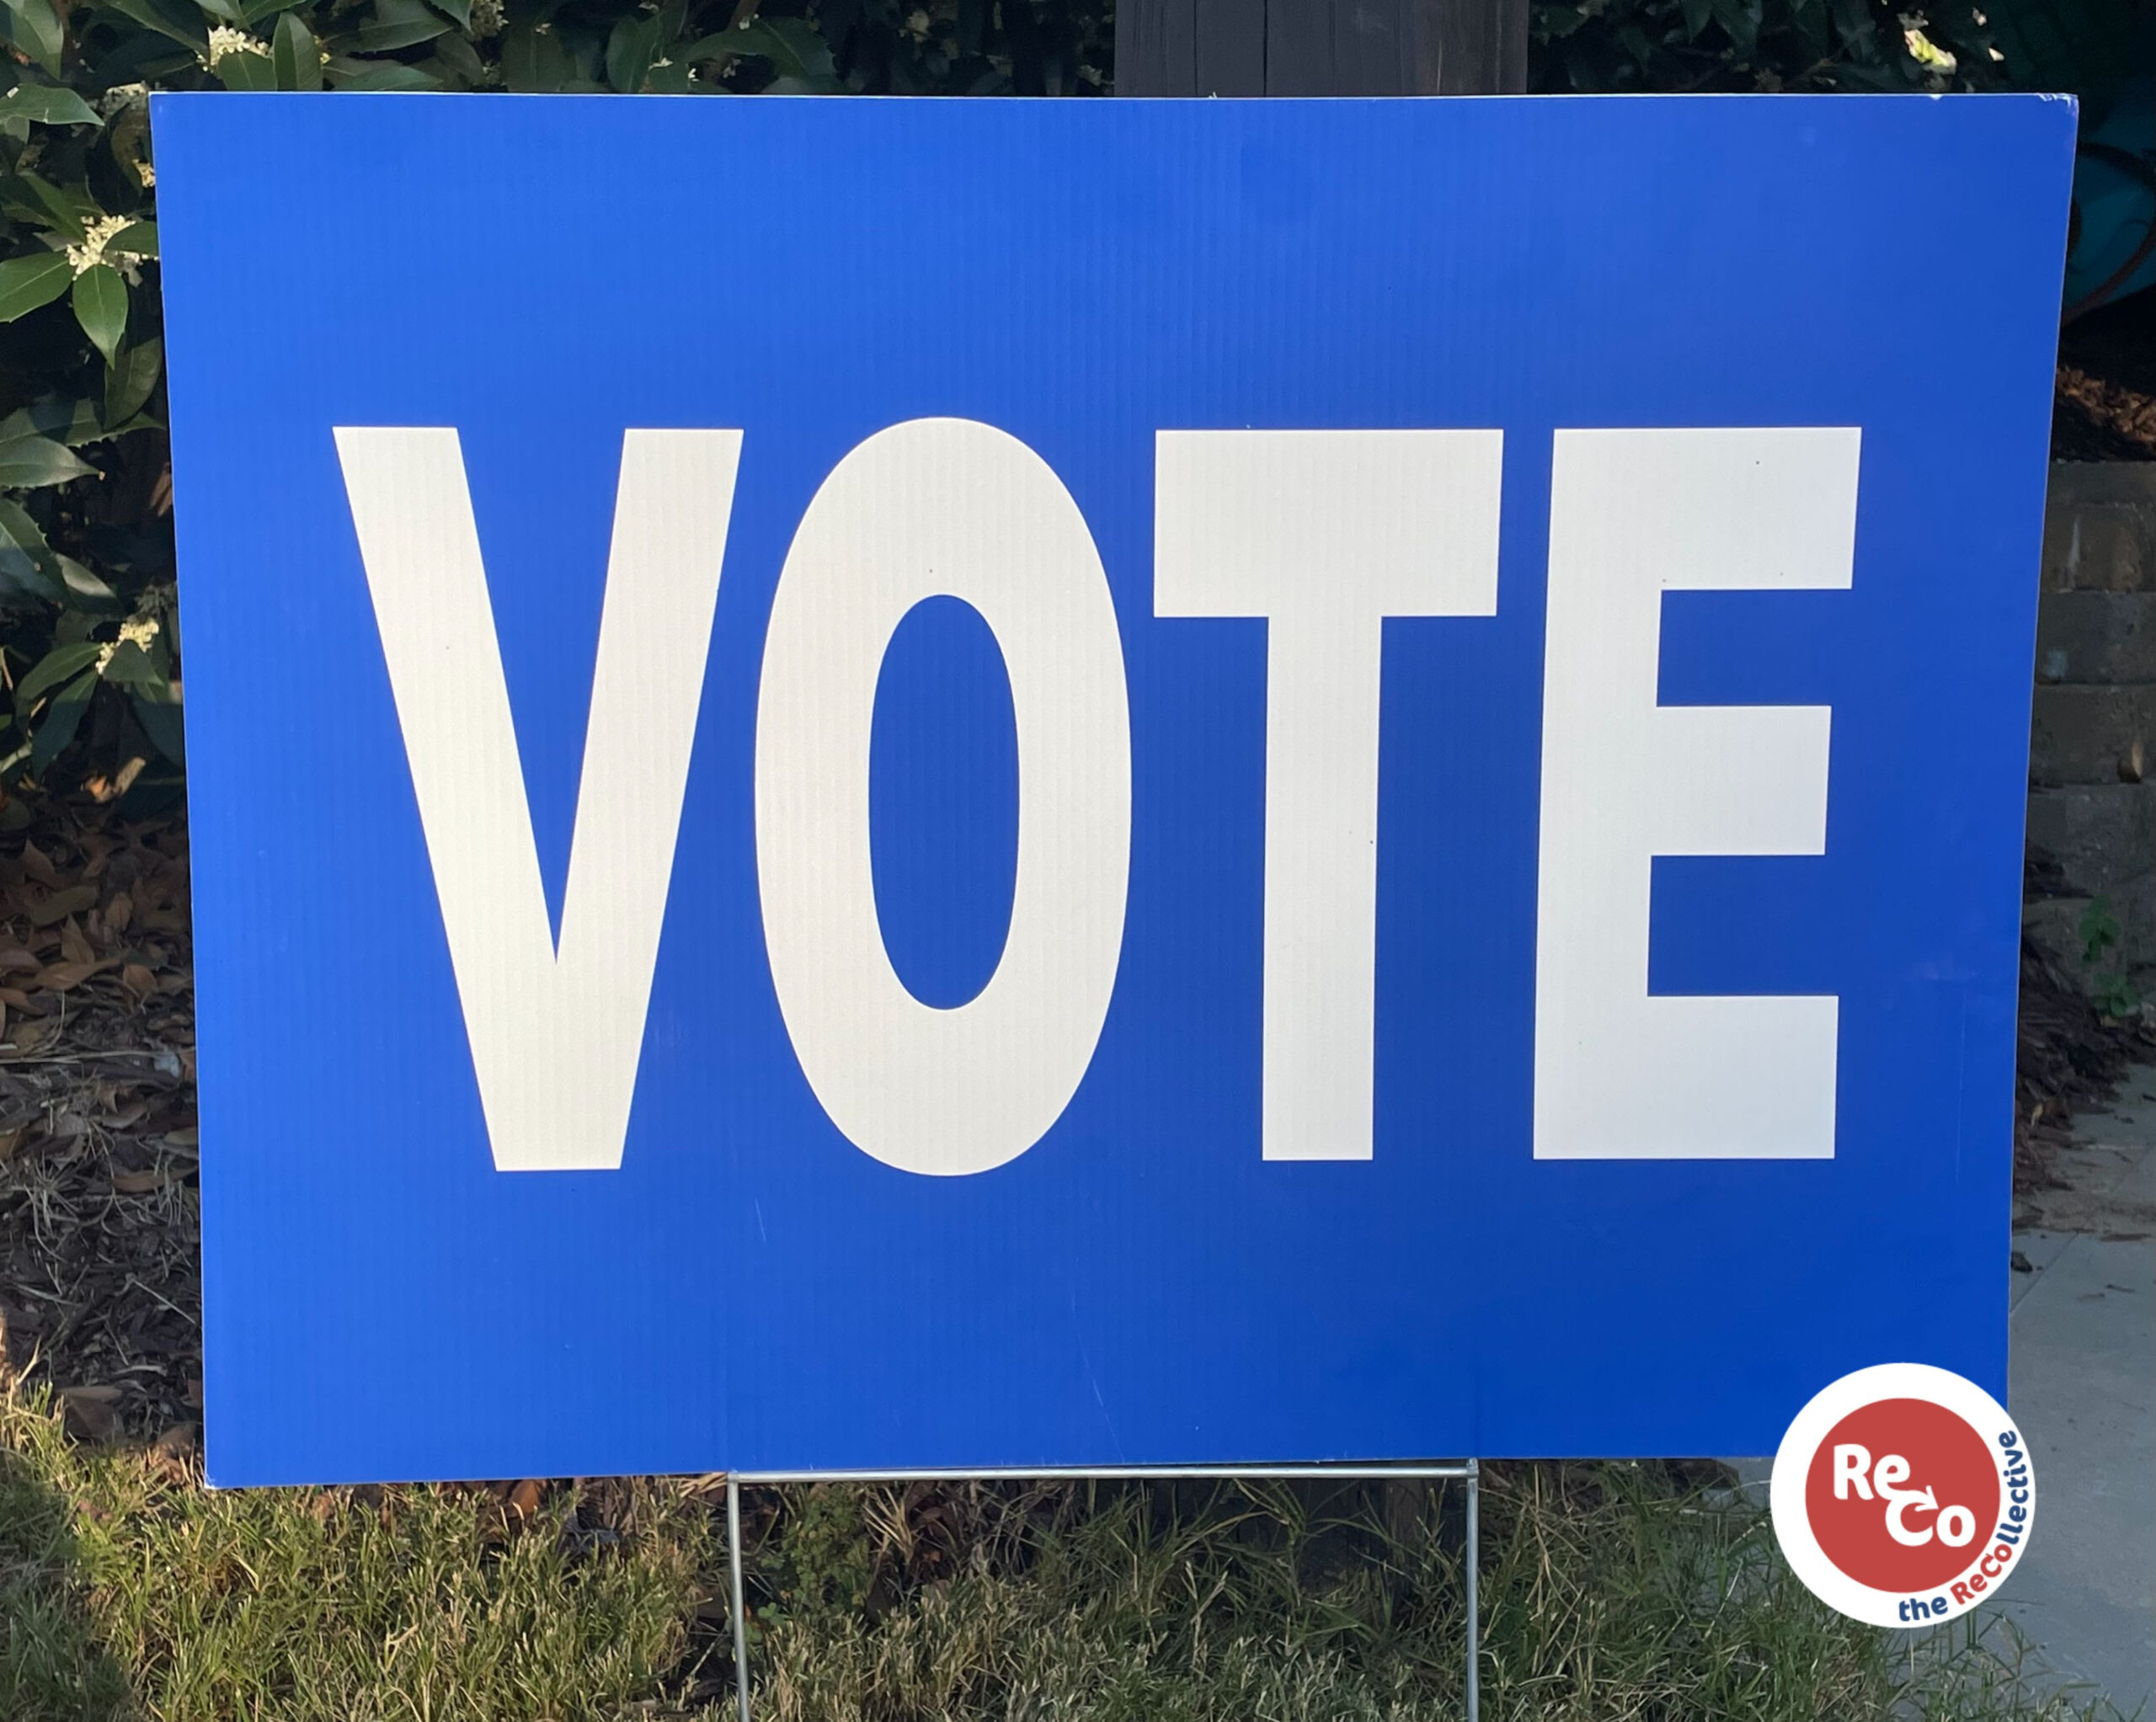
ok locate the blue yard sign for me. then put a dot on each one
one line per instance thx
(1009, 784)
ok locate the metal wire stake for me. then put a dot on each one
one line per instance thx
(733, 1578)
(1473, 1616)
(1471, 1471)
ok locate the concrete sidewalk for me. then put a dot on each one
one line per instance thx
(2083, 1387)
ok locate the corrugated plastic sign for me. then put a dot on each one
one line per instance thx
(1008, 784)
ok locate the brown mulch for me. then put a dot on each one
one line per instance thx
(2104, 409)
(2095, 420)
(100, 1221)
(2068, 1056)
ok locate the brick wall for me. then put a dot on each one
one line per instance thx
(2092, 749)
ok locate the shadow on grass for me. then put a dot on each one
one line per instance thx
(52, 1666)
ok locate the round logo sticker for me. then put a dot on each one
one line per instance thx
(1901, 1494)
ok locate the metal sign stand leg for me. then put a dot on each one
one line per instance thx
(1471, 1472)
(733, 1578)
(1470, 1567)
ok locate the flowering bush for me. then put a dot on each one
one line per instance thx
(89, 645)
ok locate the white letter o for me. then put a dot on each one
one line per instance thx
(933, 508)
(1948, 1519)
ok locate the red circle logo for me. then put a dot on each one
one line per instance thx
(1900, 1493)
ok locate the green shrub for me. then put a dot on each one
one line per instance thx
(89, 641)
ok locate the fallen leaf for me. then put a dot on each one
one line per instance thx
(14, 956)
(32, 1032)
(138, 980)
(38, 866)
(10, 1140)
(59, 977)
(74, 946)
(188, 1138)
(176, 1441)
(62, 904)
(91, 1410)
(138, 1183)
(118, 912)
(524, 1498)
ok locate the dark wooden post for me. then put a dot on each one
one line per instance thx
(1320, 47)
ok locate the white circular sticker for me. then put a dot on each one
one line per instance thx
(1901, 1494)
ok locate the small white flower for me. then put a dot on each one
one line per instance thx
(137, 631)
(87, 256)
(225, 40)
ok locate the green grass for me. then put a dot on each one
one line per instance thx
(1612, 1593)
(126, 1590)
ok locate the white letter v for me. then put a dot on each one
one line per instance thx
(555, 1035)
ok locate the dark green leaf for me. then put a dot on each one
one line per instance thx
(136, 239)
(129, 381)
(297, 58)
(47, 105)
(29, 461)
(56, 667)
(389, 75)
(240, 69)
(69, 210)
(35, 28)
(1740, 22)
(399, 23)
(630, 51)
(386, 38)
(101, 307)
(28, 568)
(460, 60)
(129, 663)
(168, 18)
(159, 711)
(62, 718)
(28, 282)
(64, 419)
(85, 590)
(458, 11)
